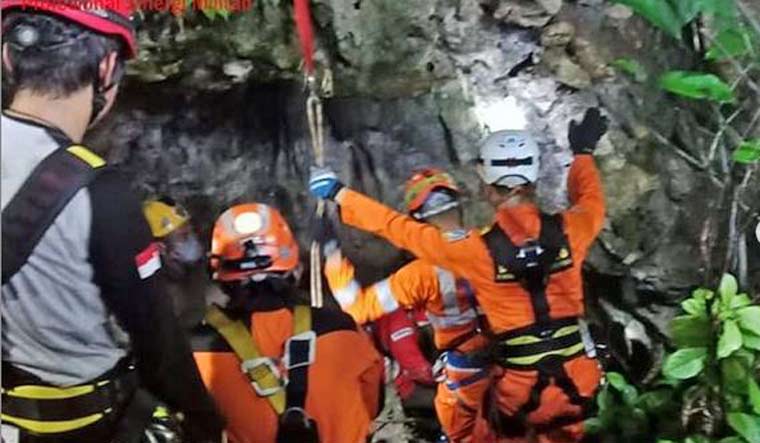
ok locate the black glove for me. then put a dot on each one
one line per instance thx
(583, 137)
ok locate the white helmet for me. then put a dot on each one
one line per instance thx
(509, 158)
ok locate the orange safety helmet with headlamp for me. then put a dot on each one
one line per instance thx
(251, 239)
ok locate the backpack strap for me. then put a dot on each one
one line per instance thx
(263, 372)
(40, 199)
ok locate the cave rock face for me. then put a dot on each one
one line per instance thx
(213, 114)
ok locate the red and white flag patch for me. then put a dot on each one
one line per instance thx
(148, 261)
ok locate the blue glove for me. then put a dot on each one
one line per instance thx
(324, 183)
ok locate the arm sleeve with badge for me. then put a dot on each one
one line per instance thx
(120, 243)
(585, 218)
(410, 286)
(421, 239)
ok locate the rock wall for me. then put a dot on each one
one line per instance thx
(213, 113)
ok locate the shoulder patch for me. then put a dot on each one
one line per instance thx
(456, 235)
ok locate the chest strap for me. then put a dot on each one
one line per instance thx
(39, 200)
(266, 377)
(531, 264)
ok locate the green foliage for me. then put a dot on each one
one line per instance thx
(746, 425)
(685, 363)
(730, 43)
(697, 85)
(632, 68)
(716, 360)
(748, 152)
(660, 13)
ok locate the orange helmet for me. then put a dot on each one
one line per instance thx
(251, 239)
(430, 191)
(113, 19)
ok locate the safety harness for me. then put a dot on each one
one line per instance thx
(286, 393)
(548, 343)
(36, 205)
(48, 413)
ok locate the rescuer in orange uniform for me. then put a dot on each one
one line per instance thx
(526, 272)
(431, 196)
(278, 369)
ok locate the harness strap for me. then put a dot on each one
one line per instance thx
(48, 410)
(262, 371)
(532, 263)
(33, 209)
(299, 351)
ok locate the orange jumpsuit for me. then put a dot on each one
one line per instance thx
(453, 314)
(343, 393)
(507, 306)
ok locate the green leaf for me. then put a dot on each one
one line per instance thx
(655, 402)
(632, 68)
(687, 10)
(697, 439)
(748, 152)
(685, 363)
(746, 425)
(732, 440)
(605, 400)
(696, 85)
(629, 392)
(689, 331)
(754, 395)
(592, 425)
(740, 301)
(734, 374)
(749, 319)
(751, 341)
(702, 294)
(695, 306)
(731, 42)
(727, 287)
(659, 13)
(730, 339)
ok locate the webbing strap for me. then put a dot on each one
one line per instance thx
(53, 410)
(532, 263)
(39, 200)
(305, 32)
(240, 340)
(299, 352)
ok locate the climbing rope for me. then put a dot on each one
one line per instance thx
(315, 117)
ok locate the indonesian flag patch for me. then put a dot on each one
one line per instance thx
(148, 261)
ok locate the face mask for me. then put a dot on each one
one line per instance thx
(187, 251)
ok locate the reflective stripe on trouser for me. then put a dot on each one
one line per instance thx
(512, 389)
(458, 398)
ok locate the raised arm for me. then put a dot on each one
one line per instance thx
(585, 218)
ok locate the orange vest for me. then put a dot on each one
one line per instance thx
(343, 394)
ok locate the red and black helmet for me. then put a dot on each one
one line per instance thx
(109, 17)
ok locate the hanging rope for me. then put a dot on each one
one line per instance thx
(314, 116)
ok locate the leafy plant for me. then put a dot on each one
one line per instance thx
(710, 381)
